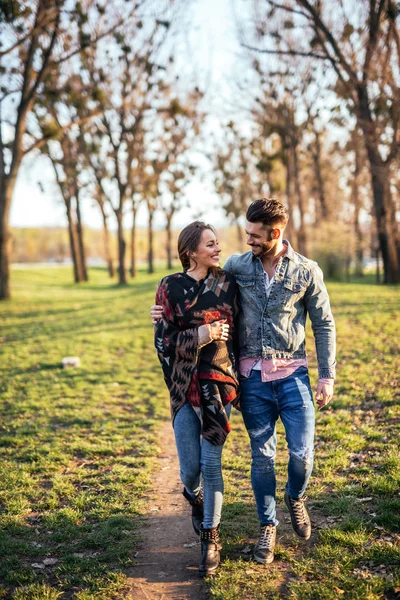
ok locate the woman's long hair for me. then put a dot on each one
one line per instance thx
(188, 242)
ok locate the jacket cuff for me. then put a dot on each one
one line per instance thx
(327, 373)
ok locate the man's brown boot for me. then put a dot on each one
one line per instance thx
(264, 549)
(298, 513)
(210, 547)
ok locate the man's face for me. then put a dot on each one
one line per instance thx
(260, 238)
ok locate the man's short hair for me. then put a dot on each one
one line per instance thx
(268, 211)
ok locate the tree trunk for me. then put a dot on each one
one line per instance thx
(133, 244)
(169, 241)
(79, 231)
(325, 212)
(121, 250)
(378, 271)
(290, 228)
(5, 238)
(239, 233)
(107, 247)
(301, 235)
(73, 243)
(383, 203)
(150, 268)
(356, 202)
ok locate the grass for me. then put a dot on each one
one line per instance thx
(78, 447)
(354, 496)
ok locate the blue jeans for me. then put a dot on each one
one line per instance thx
(262, 403)
(198, 457)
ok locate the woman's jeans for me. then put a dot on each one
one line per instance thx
(198, 457)
(262, 403)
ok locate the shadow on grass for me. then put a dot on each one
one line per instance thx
(35, 369)
(83, 555)
(74, 328)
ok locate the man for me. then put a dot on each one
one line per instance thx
(277, 289)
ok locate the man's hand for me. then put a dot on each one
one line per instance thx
(156, 313)
(324, 393)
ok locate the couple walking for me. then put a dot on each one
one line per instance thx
(236, 336)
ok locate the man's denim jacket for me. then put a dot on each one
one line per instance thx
(274, 327)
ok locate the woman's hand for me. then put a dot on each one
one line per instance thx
(219, 330)
(210, 332)
(156, 313)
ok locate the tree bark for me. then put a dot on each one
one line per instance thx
(107, 246)
(150, 268)
(169, 240)
(239, 233)
(356, 202)
(5, 238)
(302, 234)
(290, 228)
(325, 212)
(74, 245)
(121, 250)
(383, 203)
(133, 270)
(79, 231)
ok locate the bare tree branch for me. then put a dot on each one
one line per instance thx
(286, 52)
(39, 25)
(288, 9)
(45, 140)
(320, 25)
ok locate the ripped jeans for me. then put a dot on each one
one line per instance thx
(261, 404)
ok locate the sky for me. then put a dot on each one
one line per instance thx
(212, 48)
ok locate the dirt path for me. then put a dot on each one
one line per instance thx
(168, 557)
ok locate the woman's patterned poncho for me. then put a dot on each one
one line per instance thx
(204, 377)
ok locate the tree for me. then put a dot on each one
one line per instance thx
(43, 35)
(239, 175)
(180, 128)
(360, 54)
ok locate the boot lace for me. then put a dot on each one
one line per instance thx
(266, 537)
(299, 510)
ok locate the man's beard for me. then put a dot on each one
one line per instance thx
(264, 248)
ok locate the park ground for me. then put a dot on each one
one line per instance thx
(80, 447)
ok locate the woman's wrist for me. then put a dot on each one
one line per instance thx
(204, 332)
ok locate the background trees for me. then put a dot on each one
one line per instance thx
(40, 38)
(310, 114)
(358, 52)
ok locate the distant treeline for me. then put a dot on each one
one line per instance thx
(51, 244)
(333, 250)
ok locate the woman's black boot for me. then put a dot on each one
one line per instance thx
(197, 509)
(210, 547)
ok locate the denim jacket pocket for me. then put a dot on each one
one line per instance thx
(245, 282)
(294, 286)
(292, 291)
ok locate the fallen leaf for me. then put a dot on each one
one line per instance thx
(50, 561)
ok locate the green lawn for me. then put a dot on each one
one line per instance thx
(78, 446)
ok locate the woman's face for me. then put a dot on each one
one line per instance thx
(207, 252)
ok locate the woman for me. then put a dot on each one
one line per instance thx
(193, 340)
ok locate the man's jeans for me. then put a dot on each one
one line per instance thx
(261, 404)
(198, 457)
